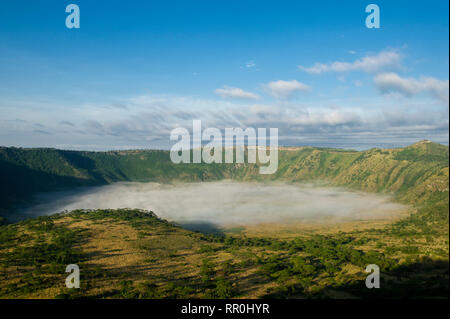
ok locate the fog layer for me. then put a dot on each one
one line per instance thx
(223, 203)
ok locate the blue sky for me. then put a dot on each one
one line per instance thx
(137, 69)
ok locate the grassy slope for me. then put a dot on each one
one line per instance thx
(134, 254)
(128, 254)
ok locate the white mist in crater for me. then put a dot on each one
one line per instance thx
(224, 203)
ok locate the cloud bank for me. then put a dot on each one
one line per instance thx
(385, 60)
(392, 82)
(231, 92)
(284, 89)
(146, 122)
(238, 203)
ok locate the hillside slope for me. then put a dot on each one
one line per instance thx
(134, 254)
(414, 174)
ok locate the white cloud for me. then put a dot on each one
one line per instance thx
(250, 64)
(385, 60)
(230, 92)
(392, 82)
(147, 120)
(284, 89)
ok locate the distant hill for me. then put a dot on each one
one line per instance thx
(414, 173)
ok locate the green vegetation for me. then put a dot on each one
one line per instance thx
(151, 258)
(130, 253)
(40, 250)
